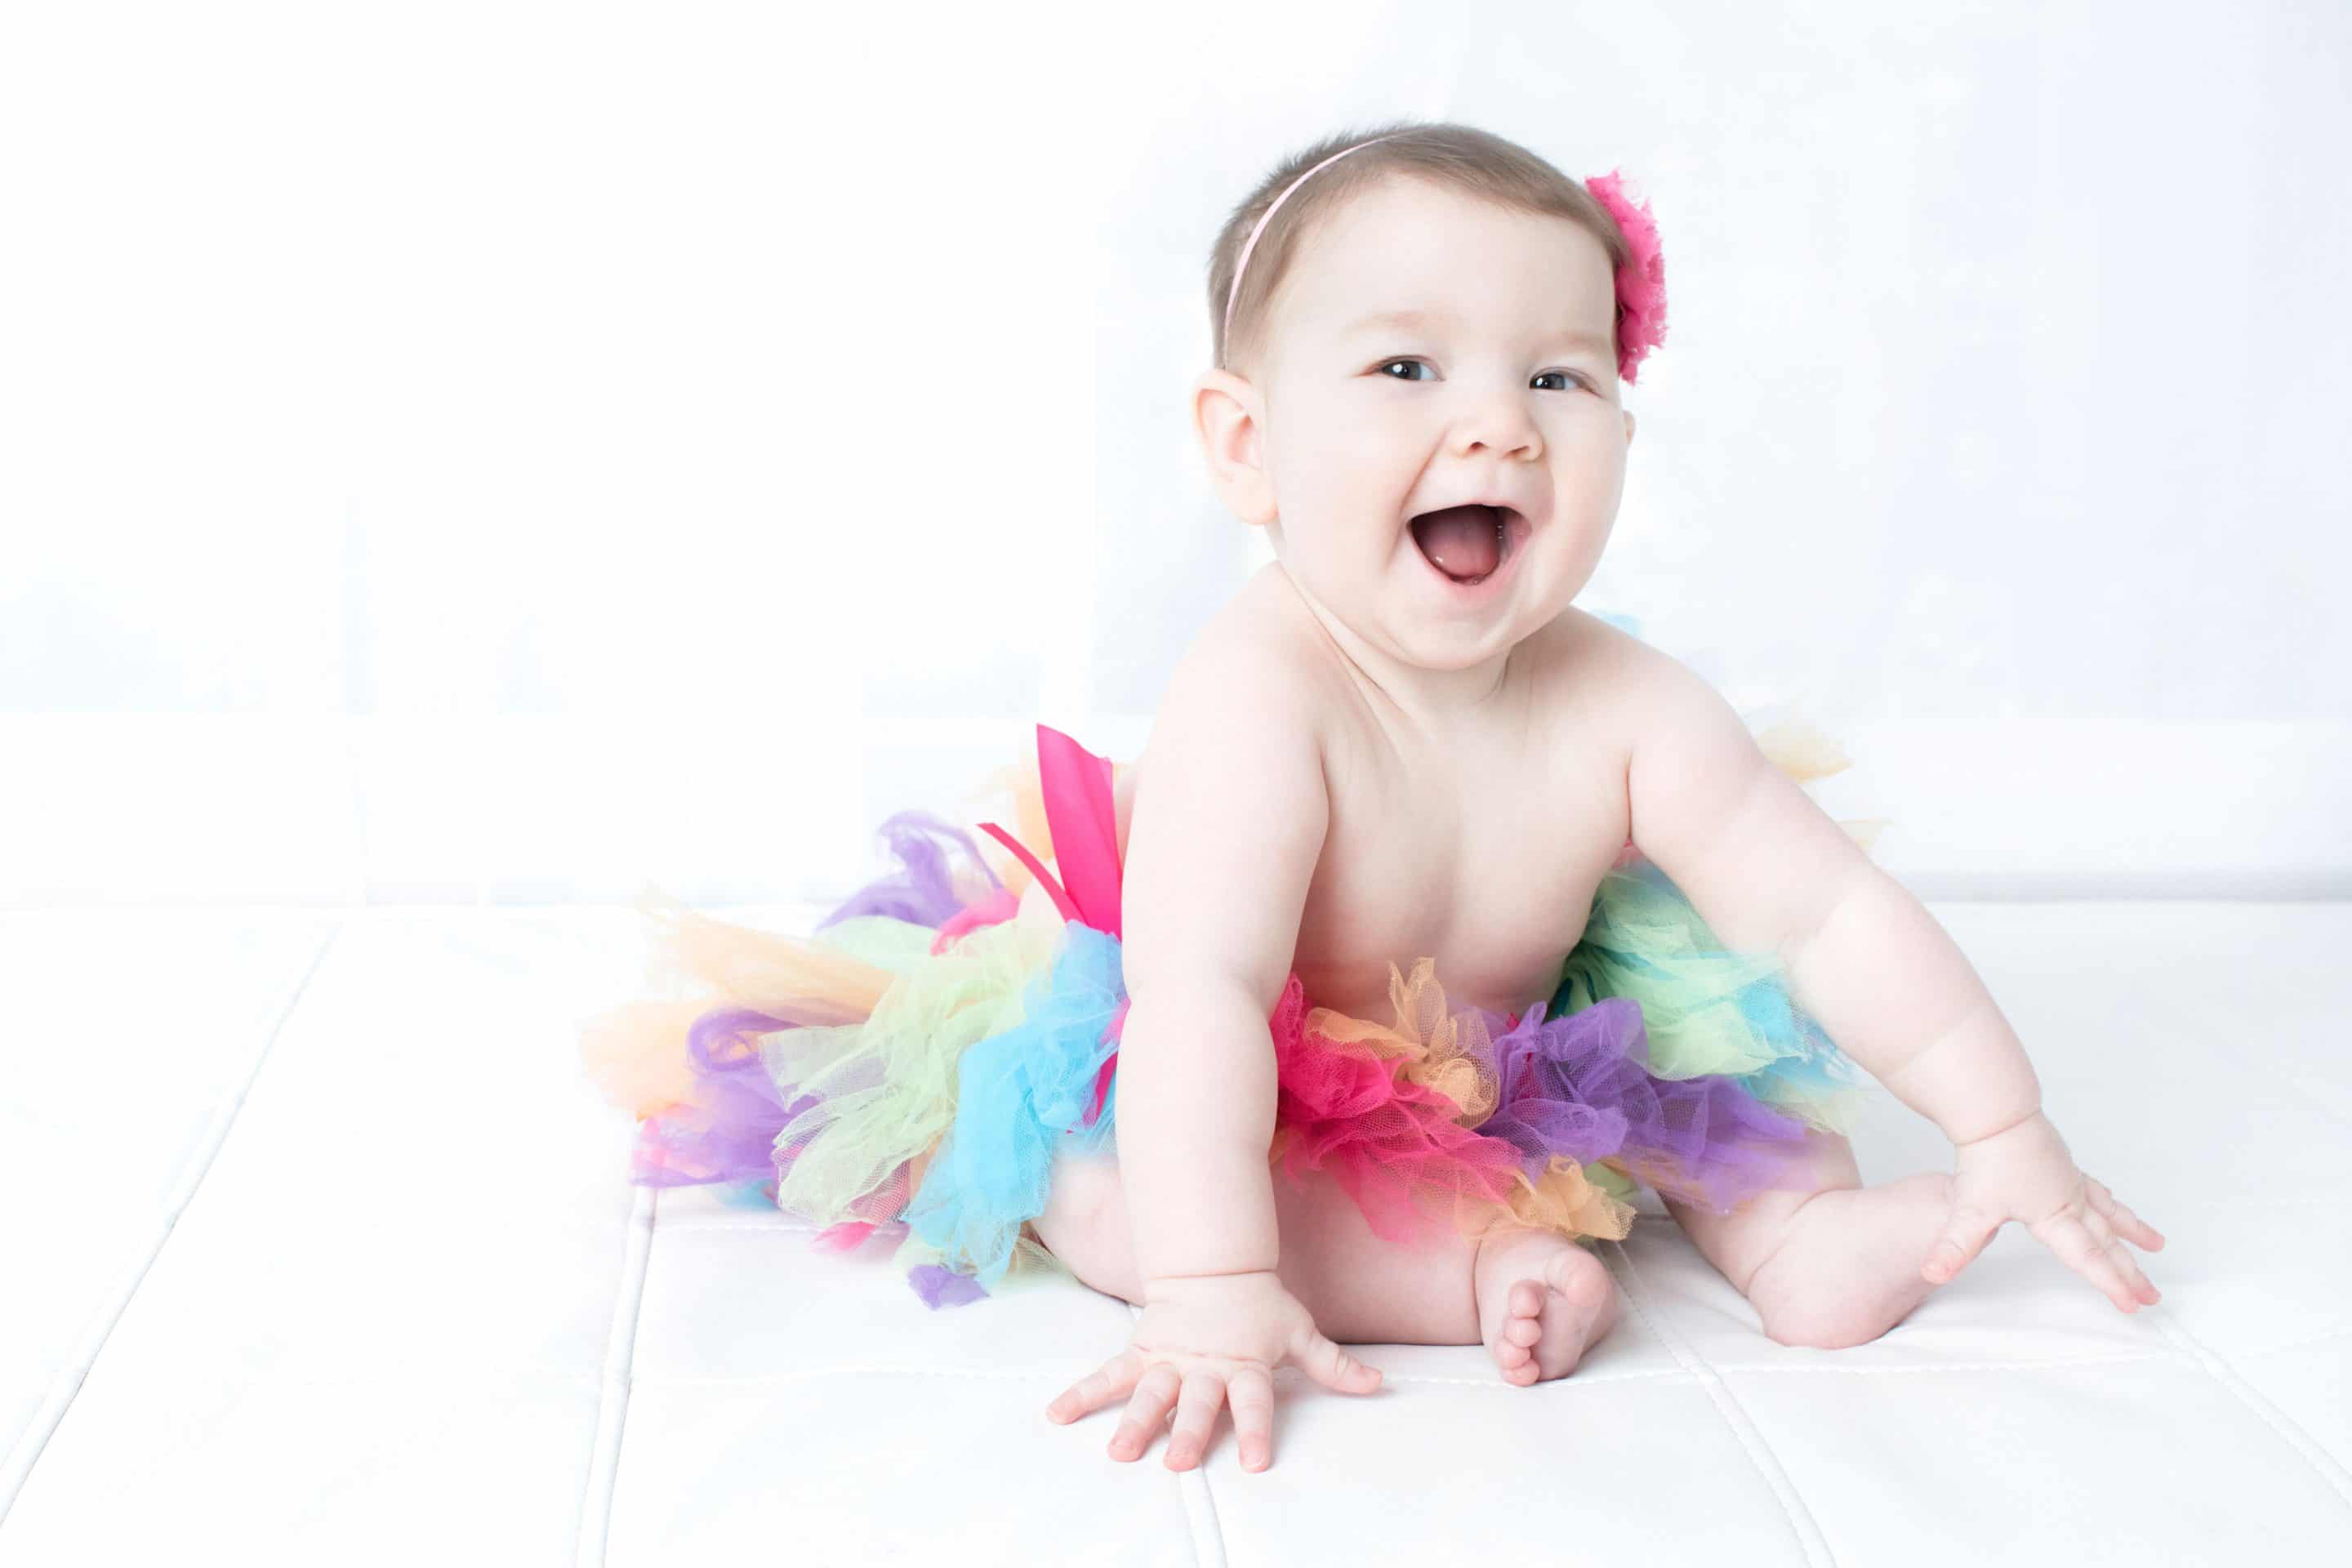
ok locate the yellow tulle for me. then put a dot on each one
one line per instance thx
(1436, 1046)
(1572, 1199)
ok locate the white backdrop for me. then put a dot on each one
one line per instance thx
(514, 453)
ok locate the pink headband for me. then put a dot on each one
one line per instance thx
(1640, 282)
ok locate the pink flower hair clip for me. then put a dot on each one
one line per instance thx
(1641, 282)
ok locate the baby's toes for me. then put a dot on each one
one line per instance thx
(1515, 1336)
(1580, 1288)
(1515, 1362)
(1514, 1342)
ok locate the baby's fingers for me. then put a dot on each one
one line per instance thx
(1108, 1381)
(2132, 1228)
(1250, 1393)
(2104, 1233)
(1202, 1396)
(2072, 1240)
(1147, 1411)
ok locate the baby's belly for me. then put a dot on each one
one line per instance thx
(1344, 965)
(1505, 968)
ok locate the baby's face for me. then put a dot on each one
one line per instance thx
(1506, 387)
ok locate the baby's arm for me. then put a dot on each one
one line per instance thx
(1230, 815)
(1228, 825)
(1768, 870)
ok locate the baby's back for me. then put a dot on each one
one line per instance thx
(1479, 846)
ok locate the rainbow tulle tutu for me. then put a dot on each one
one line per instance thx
(916, 1065)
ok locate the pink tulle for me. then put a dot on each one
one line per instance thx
(1641, 282)
(1394, 1145)
(851, 1233)
(998, 906)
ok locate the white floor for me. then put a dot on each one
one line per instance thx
(321, 1251)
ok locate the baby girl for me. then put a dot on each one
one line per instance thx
(1401, 736)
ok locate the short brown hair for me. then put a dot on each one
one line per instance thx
(1463, 158)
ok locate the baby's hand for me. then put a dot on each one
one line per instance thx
(1210, 1337)
(2025, 1172)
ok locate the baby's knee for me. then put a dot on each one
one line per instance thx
(1825, 1326)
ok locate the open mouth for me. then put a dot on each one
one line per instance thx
(1468, 545)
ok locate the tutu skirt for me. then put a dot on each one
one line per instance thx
(918, 1063)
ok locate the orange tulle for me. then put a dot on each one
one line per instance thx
(1389, 1113)
(633, 1052)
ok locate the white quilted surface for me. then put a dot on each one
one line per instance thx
(321, 1252)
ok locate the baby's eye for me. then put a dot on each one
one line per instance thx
(1388, 364)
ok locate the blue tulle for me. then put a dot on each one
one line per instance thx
(1022, 1095)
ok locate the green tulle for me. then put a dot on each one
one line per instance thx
(882, 941)
(1706, 1009)
(1608, 1179)
(888, 1085)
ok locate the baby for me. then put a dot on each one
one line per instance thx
(1402, 738)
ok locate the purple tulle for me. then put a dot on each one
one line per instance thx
(727, 1131)
(941, 1286)
(924, 892)
(1579, 1087)
(728, 1127)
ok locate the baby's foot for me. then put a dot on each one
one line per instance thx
(1542, 1302)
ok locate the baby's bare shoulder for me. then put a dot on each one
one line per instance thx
(1589, 678)
(1256, 662)
(1247, 681)
(1646, 703)
(1230, 809)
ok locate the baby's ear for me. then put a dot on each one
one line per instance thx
(1225, 416)
(1629, 427)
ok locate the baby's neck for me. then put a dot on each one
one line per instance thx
(1435, 700)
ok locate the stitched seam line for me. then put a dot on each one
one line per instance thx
(1193, 1490)
(1759, 1452)
(2060, 1362)
(35, 1439)
(2228, 1377)
(612, 1396)
(1284, 1376)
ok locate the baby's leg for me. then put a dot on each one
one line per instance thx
(1360, 1289)
(1535, 1298)
(1831, 1264)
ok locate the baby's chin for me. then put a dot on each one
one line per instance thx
(1400, 621)
(1398, 607)
(1450, 620)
